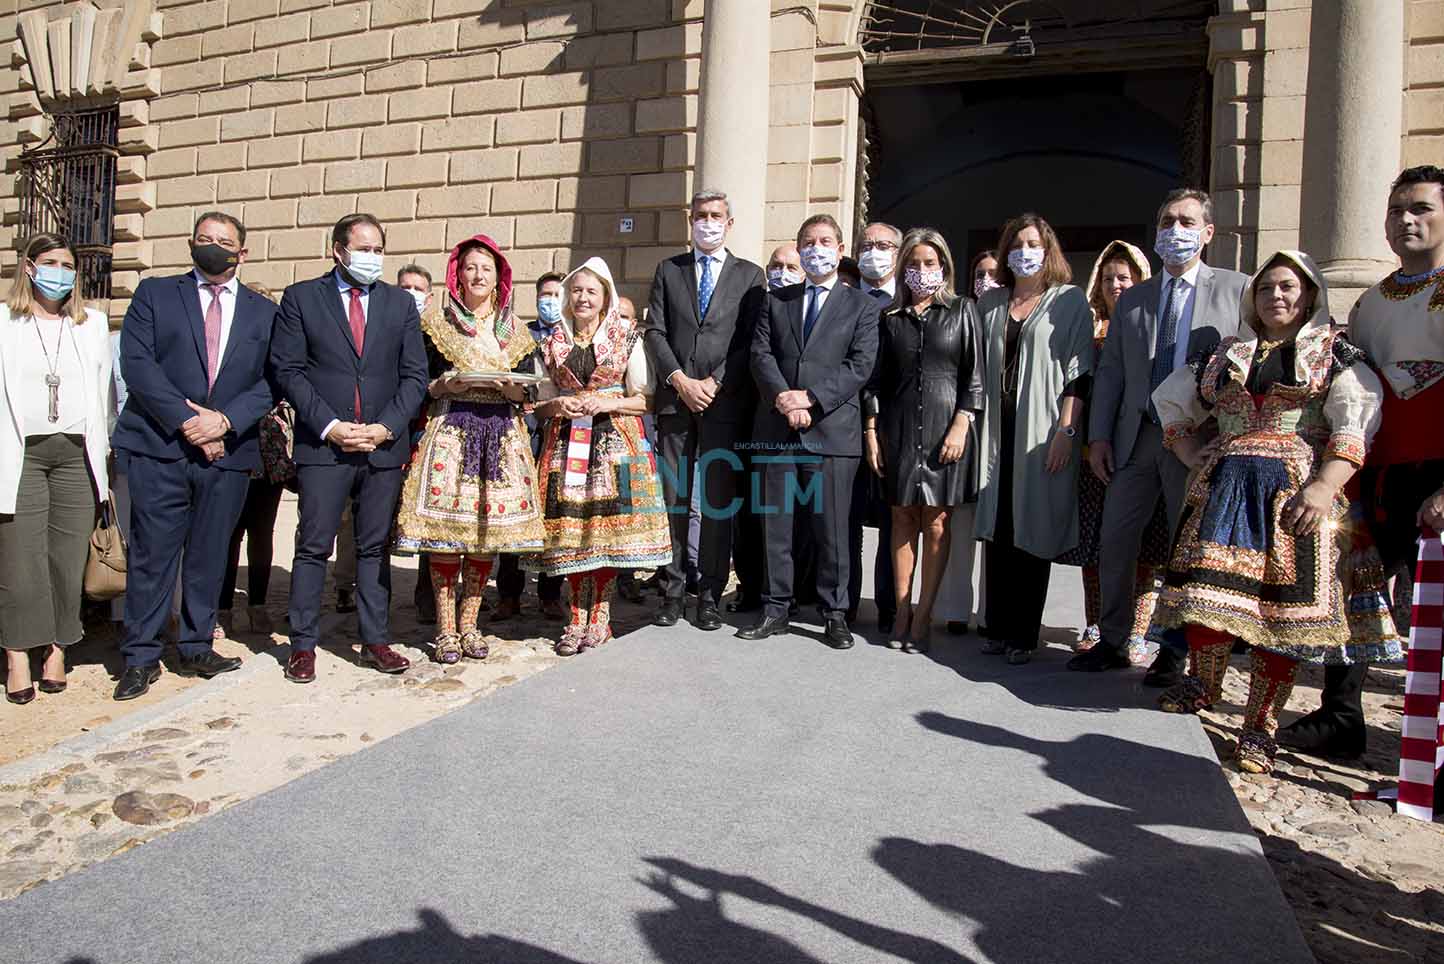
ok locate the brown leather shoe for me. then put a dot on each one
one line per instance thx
(301, 667)
(384, 659)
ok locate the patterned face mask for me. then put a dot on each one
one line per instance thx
(1025, 262)
(983, 284)
(922, 283)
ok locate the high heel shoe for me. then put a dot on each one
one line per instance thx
(21, 697)
(53, 685)
(915, 645)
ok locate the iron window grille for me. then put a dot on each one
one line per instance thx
(67, 187)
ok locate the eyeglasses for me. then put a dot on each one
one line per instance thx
(877, 246)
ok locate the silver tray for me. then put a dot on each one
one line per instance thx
(487, 379)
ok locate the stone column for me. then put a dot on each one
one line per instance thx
(1352, 128)
(732, 115)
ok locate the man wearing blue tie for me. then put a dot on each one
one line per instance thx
(1179, 314)
(193, 348)
(814, 348)
(349, 356)
(699, 334)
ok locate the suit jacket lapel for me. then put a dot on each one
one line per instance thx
(828, 309)
(1201, 293)
(1149, 310)
(689, 271)
(240, 322)
(190, 296)
(796, 308)
(331, 297)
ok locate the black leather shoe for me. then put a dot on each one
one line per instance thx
(1166, 670)
(744, 606)
(1101, 657)
(766, 626)
(136, 680)
(957, 627)
(670, 612)
(707, 617)
(1322, 733)
(206, 665)
(345, 600)
(836, 634)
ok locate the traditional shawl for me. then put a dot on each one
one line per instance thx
(454, 329)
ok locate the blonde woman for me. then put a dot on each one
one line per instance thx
(602, 497)
(918, 420)
(55, 417)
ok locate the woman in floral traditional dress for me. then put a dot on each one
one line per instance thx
(1267, 550)
(603, 502)
(471, 490)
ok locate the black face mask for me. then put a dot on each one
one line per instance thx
(213, 259)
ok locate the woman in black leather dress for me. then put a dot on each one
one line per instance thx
(918, 427)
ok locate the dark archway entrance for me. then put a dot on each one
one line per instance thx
(1085, 112)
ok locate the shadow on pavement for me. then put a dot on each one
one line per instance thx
(436, 940)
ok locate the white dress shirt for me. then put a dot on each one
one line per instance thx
(61, 350)
(823, 289)
(227, 295)
(1189, 281)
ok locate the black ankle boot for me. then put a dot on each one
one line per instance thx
(1336, 728)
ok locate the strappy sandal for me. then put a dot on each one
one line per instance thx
(1186, 696)
(594, 637)
(901, 629)
(446, 648)
(1255, 752)
(473, 645)
(570, 643)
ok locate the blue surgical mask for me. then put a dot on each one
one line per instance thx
(53, 281)
(365, 266)
(1177, 245)
(549, 309)
(1025, 262)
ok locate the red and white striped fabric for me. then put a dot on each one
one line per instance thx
(1421, 746)
(579, 452)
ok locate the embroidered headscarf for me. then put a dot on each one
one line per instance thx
(504, 319)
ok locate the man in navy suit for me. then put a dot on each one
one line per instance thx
(349, 356)
(813, 348)
(194, 351)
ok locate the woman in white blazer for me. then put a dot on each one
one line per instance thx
(55, 418)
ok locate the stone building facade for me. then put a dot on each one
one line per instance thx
(567, 129)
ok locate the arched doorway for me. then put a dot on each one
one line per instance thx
(1085, 111)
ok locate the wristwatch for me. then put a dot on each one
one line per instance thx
(1069, 431)
(390, 435)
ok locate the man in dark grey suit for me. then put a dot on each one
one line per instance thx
(1178, 314)
(814, 347)
(699, 332)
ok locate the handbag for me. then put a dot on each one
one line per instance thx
(105, 566)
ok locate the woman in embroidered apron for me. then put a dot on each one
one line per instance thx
(471, 489)
(603, 502)
(1267, 550)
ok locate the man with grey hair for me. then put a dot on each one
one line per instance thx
(698, 337)
(1180, 313)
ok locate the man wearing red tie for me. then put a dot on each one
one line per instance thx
(349, 357)
(193, 349)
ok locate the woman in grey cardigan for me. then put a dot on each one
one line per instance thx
(1039, 336)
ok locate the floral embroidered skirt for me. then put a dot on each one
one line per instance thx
(471, 488)
(616, 517)
(1236, 568)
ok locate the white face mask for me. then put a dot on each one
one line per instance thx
(819, 261)
(782, 277)
(875, 264)
(420, 298)
(1025, 262)
(708, 234)
(365, 266)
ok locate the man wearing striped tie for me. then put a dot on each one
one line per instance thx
(349, 357)
(699, 328)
